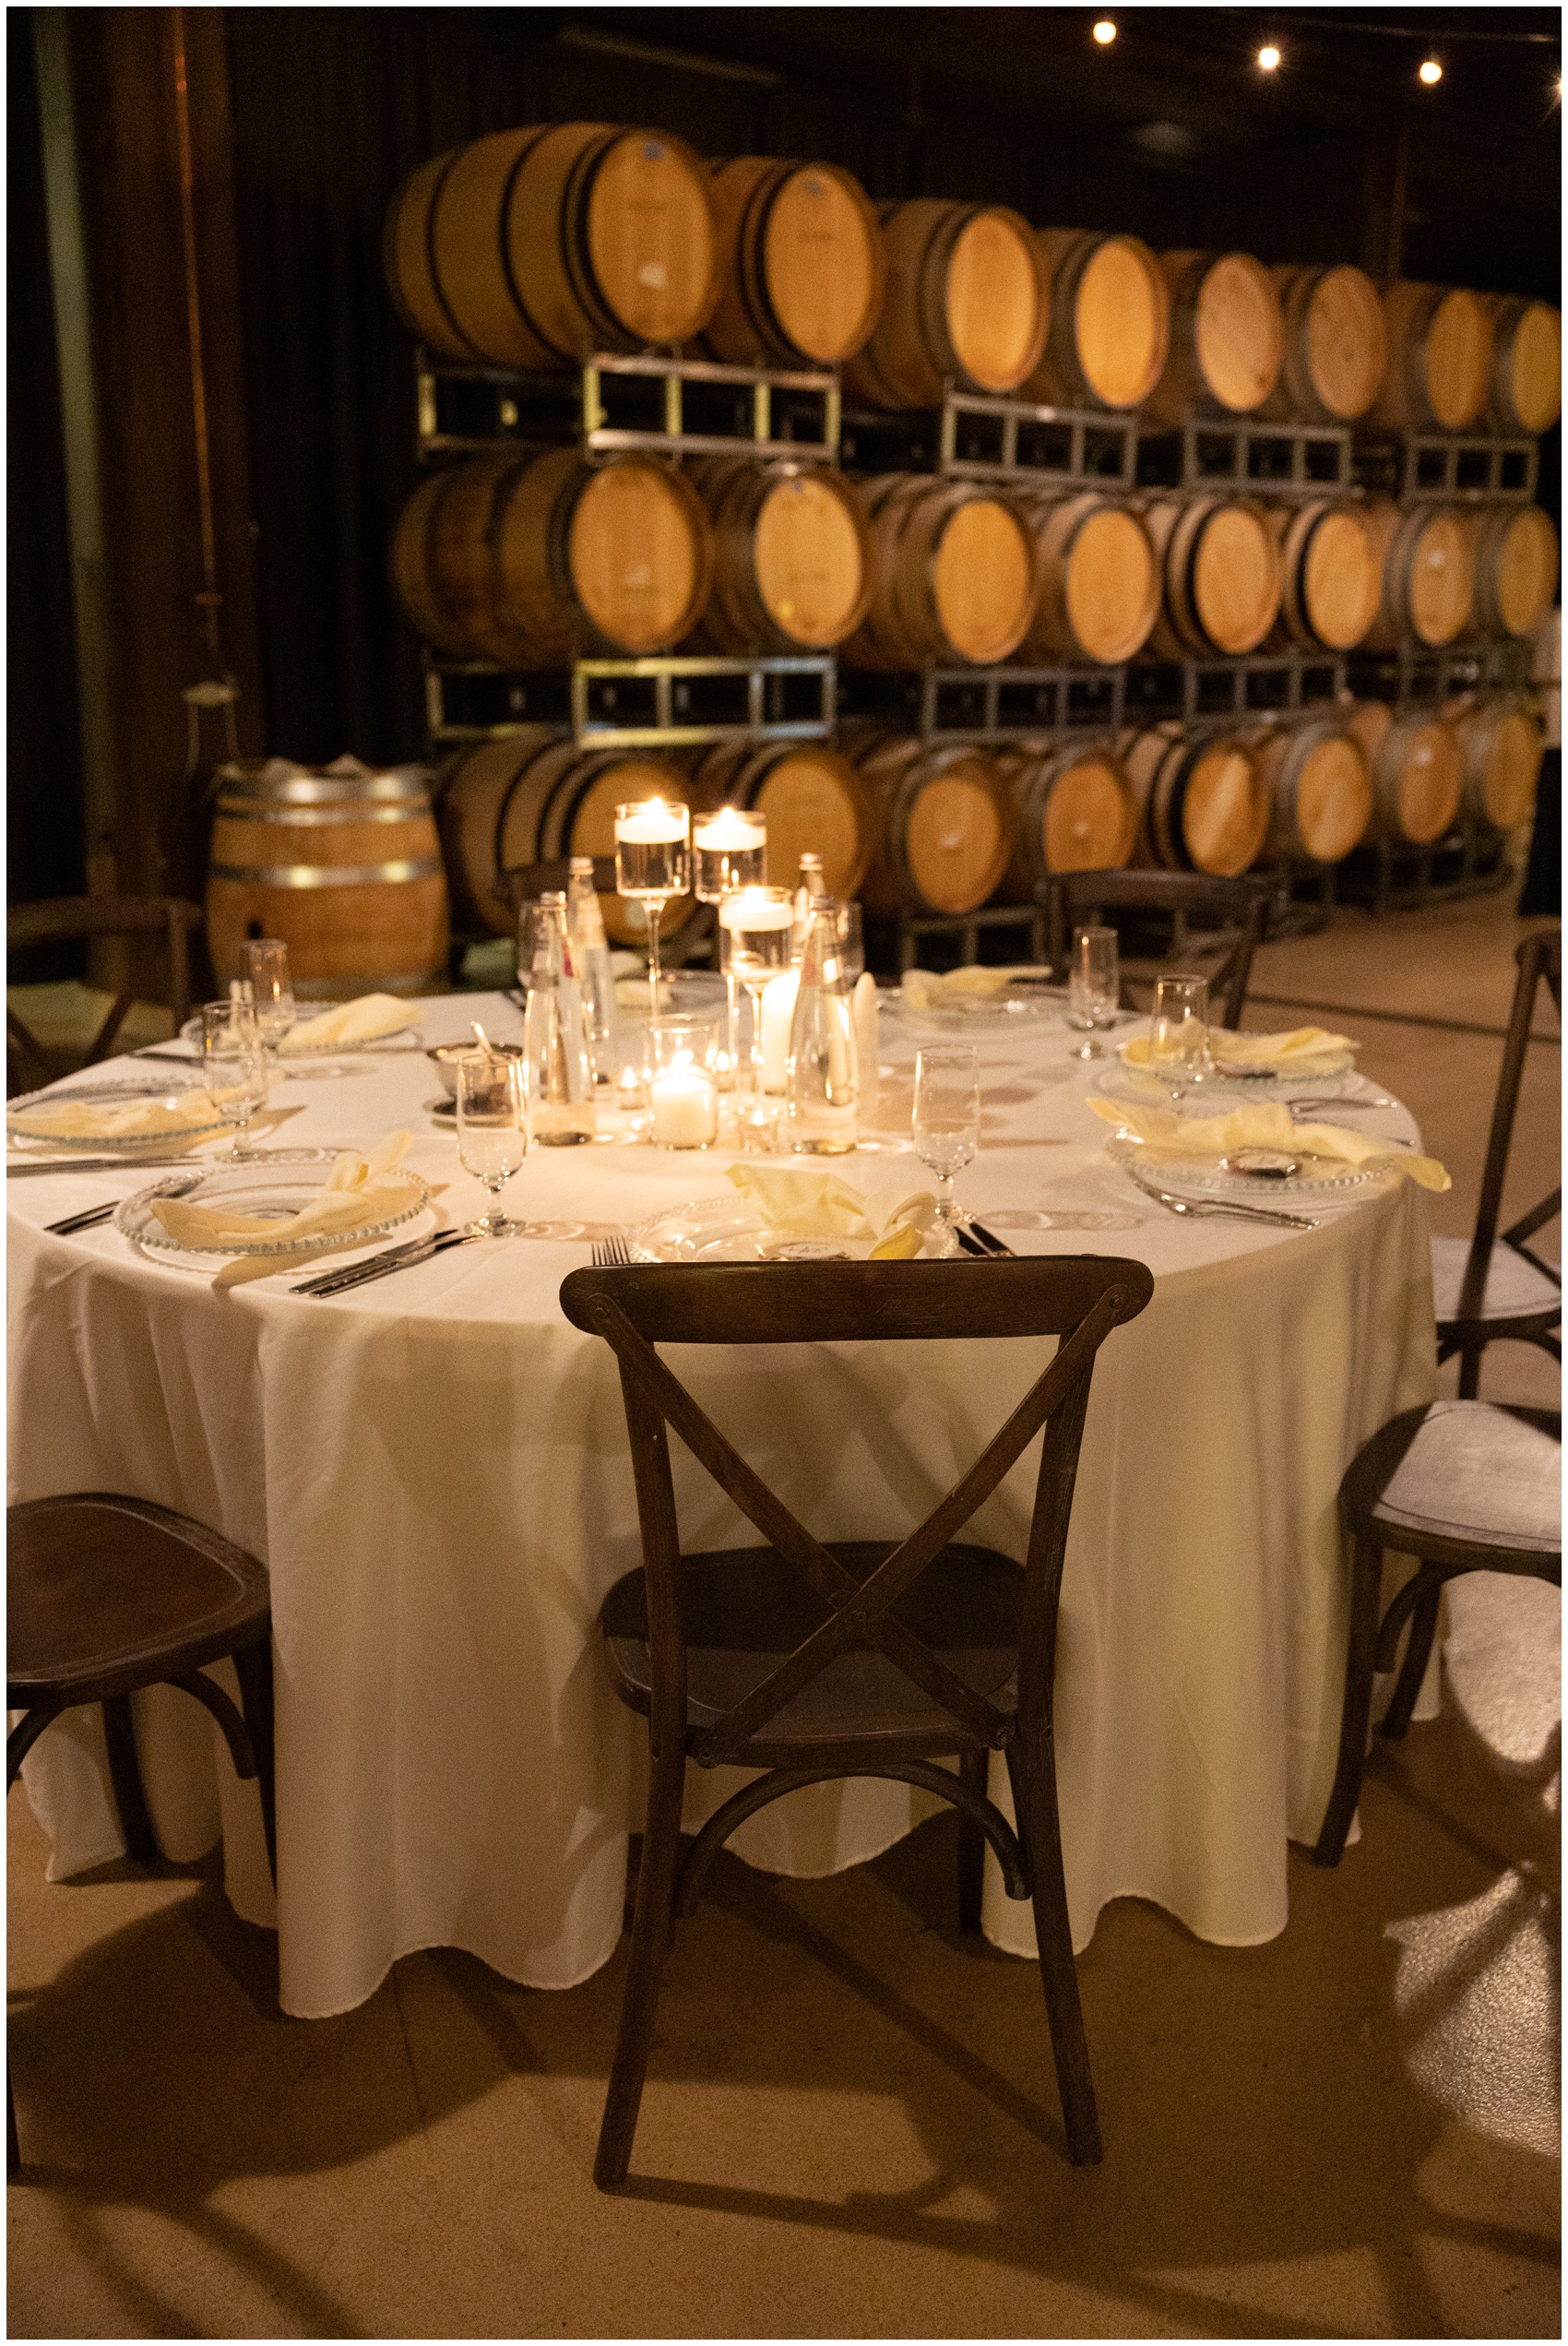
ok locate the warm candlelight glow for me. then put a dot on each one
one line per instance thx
(1431, 72)
(651, 824)
(1268, 57)
(1105, 32)
(756, 908)
(729, 831)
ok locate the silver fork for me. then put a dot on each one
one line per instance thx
(1217, 1205)
(610, 1254)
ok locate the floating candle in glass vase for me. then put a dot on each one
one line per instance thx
(682, 1090)
(731, 852)
(653, 863)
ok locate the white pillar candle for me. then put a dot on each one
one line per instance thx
(777, 1014)
(730, 832)
(652, 824)
(867, 1039)
(685, 1107)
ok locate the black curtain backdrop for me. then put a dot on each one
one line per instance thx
(332, 107)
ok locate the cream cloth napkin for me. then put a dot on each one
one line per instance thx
(1266, 1126)
(815, 1204)
(162, 1119)
(1292, 1053)
(355, 1194)
(358, 1021)
(922, 988)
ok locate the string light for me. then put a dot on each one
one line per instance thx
(1268, 58)
(1105, 32)
(1431, 73)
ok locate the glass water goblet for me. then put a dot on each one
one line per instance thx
(653, 863)
(1094, 988)
(492, 1137)
(272, 989)
(1178, 1035)
(234, 1060)
(946, 1124)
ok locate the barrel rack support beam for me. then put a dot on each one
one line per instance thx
(1416, 466)
(522, 409)
(500, 704)
(1273, 459)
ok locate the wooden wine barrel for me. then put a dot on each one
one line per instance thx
(1227, 337)
(1075, 810)
(814, 800)
(953, 574)
(342, 862)
(1515, 553)
(1109, 330)
(527, 799)
(1414, 768)
(1500, 743)
(1439, 369)
(945, 830)
(966, 298)
(1336, 344)
(533, 248)
(792, 566)
(1205, 807)
(1527, 364)
(1100, 580)
(1333, 580)
(1319, 797)
(1427, 559)
(801, 267)
(529, 560)
(1221, 574)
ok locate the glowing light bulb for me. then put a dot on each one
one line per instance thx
(1105, 32)
(1431, 72)
(1268, 58)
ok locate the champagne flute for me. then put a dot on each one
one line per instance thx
(1094, 987)
(493, 1137)
(272, 989)
(946, 1124)
(235, 1062)
(653, 863)
(760, 924)
(731, 852)
(1178, 1035)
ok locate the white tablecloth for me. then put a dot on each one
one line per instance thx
(435, 1471)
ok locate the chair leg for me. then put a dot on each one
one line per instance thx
(1031, 1765)
(972, 1769)
(1470, 1373)
(13, 2147)
(124, 1774)
(651, 1926)
(1366, 1586)
(1423, 1628)
(253, 1667)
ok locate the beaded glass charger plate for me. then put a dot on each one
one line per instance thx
(403, 1038)
(1270, 1080)
(1315, 1175)
(729, 1230)
(168, 1111)
(274, 1190)
(1217, 1092)
(1016, 1008)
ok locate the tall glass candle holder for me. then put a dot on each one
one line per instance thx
(731, 852)
(759, 923)
(653, 863)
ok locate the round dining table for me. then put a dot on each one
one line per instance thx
(434, 1467)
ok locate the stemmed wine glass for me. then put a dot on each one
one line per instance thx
(272, 989)
(235, 1062)
(946, 1124)
(731, 852)
(759, 924)
(492, 1137)
(1094, 987)
(653, 863)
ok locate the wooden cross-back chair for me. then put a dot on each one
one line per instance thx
(1494, 1285)
(816, 1659)
(65, 919)
(1075, 897)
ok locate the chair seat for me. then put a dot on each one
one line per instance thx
(1514, 1287)
(105, 1593)
(744, 1610)
(1462, 1474)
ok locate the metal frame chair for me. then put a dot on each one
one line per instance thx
(1242, 904)
(62, 919)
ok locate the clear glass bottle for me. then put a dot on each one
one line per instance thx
(555, 1043)
(810, 886)
(590, 952)
(823, 1084)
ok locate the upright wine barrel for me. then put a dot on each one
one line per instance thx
(531, 248)
(1335, 346)
(1205, 806)
(814, 800)
(1221, 574)
(1501, 743)
(1099, 582)
(1515, 569)
(966, 299)
(791, 569)
(1427, 559)
(1439, 370)
(953, 574)
(945, 825)
(341, 862)
(1413, 766)
(1319, 797)
(1333, 580)
(1227, 337)
(1527, 364)
(1109, 330)
(516, 802)
(801, 267)
(527, 560)
(1074, 810)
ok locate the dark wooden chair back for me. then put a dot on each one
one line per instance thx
(1537, 956)
(526, 883)
(1075, 898)
(68, 918)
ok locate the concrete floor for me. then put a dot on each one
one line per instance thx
(850, 2127)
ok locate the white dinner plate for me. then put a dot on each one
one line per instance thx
(1015, 1009)
(730, 1230)
(1207, 1176)
(193, 1116)
(278, 1188)
(1216, 1092)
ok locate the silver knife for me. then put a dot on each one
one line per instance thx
(404, 1258)
(98, 1164)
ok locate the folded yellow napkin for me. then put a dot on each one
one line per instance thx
(358, 1021)
(356, 1195)
(922, 988)
(815, 1204)
(162, 1119)
(1290, 1052)
(1266, 1126)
